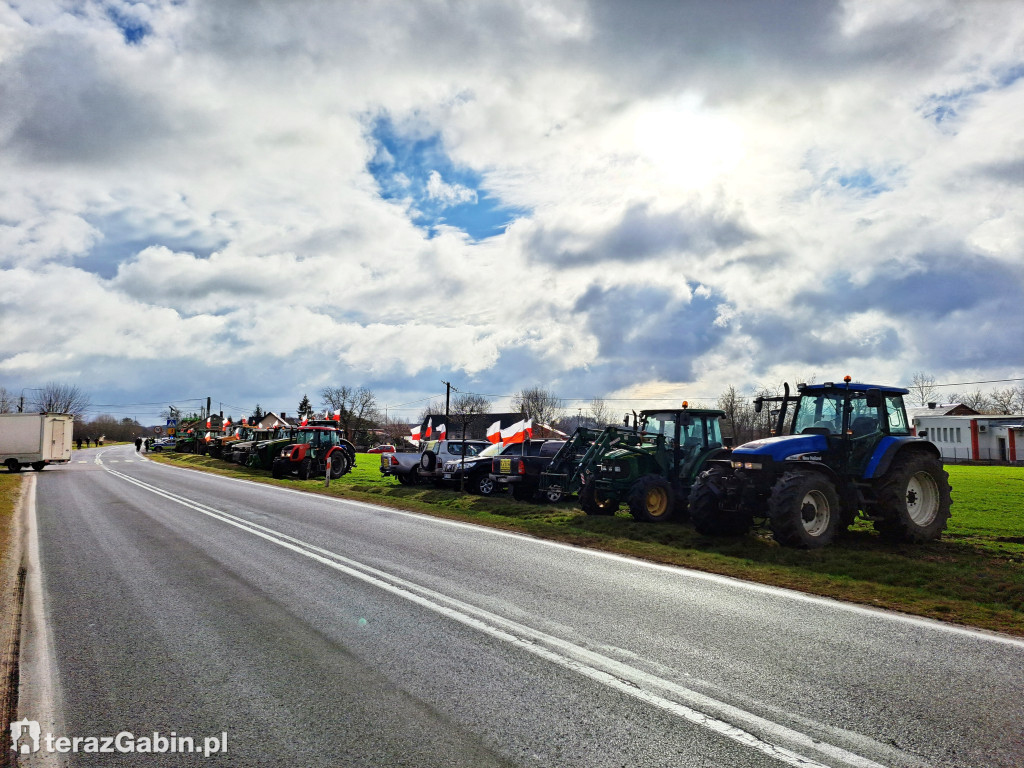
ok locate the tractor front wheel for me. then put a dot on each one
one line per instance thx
(339, 465)
(914, 499)
(803, 510)
(706, 512)
(594, 503)
(651, 499)
(305, 469)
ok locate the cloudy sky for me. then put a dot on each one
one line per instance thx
(253, 200)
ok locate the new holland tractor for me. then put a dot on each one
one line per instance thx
(650, 467)
(848, 451)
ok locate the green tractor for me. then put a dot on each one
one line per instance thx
(650, 467)
(844, 449)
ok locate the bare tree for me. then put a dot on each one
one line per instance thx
(464, 409)
(433, 407)
(977, 400)
(1003, 400)
(55, 397)
(923, 389)
(538, 404)
(7, 401)
(599, 413)
(1019, 405)
(357, 406)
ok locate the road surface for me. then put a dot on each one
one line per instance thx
(307, 631)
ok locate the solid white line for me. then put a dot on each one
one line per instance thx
(607, 671)
(39, 695)
(751, 586)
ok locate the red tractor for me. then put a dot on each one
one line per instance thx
(314, 450)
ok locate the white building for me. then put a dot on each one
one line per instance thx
(974, 437)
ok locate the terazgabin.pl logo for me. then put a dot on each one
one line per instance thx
(26, 738)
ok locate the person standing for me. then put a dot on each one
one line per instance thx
(138, 444)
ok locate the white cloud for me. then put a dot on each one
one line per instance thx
(205, 189)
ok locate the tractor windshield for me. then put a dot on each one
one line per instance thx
(820, 409)
(662, 424)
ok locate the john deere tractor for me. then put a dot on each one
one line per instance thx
(649, 467)
(847, 451)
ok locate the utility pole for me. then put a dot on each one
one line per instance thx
(447, 400)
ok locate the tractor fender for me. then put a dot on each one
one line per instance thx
(889, 448)
(813, 466)
(350, 449)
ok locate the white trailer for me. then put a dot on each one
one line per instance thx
(35, 439)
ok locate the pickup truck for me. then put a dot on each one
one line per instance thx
(428, 464)
(521, 469)
(477, 469)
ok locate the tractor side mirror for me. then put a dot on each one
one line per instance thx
(874, 398)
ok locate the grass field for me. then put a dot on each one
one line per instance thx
(973, 576)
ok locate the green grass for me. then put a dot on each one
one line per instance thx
(973, 576)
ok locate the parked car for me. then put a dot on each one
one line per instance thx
(477, 469)
(521, 471)
(382, 449)
(428, 464)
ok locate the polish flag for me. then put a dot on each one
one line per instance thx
(442, 431)
(528, 429)
(429, 429)
(494, 432)
(304, 422)
(244, 421)
(415, 432)
(207, 423)
(337, 416)
(512, 434)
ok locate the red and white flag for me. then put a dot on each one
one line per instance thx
(337, 415)
(512, 433)
(415, 433)
(430, 429)
(494, 432)
(442, 431)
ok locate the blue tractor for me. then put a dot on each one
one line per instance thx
(839, 451)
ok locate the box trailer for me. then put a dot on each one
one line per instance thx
(35, 439)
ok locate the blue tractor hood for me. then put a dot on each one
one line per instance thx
(781, 448)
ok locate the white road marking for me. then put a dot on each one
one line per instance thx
(864, 610)
(605, 670)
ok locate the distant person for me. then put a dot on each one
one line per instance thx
(79, 443)
(138, 444)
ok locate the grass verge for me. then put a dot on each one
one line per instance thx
(973, 576)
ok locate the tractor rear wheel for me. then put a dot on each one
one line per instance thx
(803, 510)
(594, 503)
(706, 510)
(651, 499)
(914, 499)
(278, 470)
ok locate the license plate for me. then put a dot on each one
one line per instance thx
(447, 476)
(505, 467)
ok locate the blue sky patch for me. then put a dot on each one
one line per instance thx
(416, 168)
(132, 29)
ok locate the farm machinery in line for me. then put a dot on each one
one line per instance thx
(848, 451)
(650, 466)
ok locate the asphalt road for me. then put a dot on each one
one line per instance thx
(319, 632)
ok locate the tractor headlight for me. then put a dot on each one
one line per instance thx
(746, 465)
